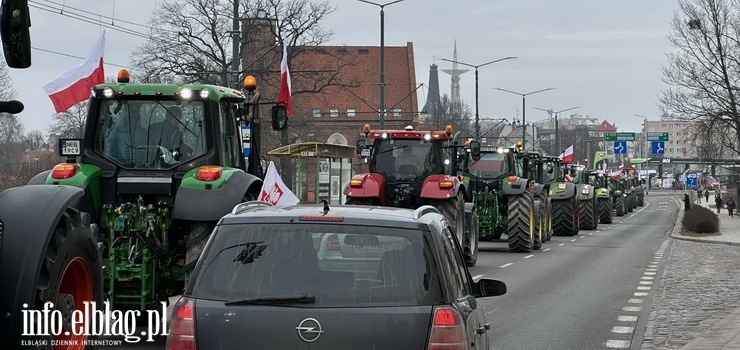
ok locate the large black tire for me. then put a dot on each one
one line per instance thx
(640, 199)
(520, 229)
(539, 226)
(631, 205)
(71, 270)
(453, 210)
(564, 217)
(587, 213)
(198, 233)
(620, 206)
(470, 250)
(605, 210)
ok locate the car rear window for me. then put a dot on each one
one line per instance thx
(340, 265)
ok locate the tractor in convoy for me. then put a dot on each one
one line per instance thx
(504, 196)
(131, 208)
(411, 168)
(564, 197)
(600, 182)
(617, 188)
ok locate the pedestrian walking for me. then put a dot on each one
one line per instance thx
(686, 201)
(718, 202)
(706, 195)
(730, 206)
(699, 194)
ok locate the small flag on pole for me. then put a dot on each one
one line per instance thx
(274, 190)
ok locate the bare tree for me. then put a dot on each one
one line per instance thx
(34, 140)
(704, 72)
(71, 123)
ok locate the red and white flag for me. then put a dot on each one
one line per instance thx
(73, 86)
(285, 88)
(274, 190)
(567, 156)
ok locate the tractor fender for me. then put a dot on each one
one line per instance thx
(562, 190)
(538, 206)
(536, 189)
(585, 192)
(602, 192)
(440, 186)
(40, 178)
(210, 205)
(515, 187)
(29, 215)
(370, 185)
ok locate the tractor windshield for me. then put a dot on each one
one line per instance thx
(407, 160)
(490, 165)
(150, 134)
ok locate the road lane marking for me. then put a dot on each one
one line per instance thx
(573, 240)
(646, 282)
(547, 250)
(643, 288)
(591, 233)
(647, 278)
(640, 294)
(627, 318)
(649, 273)
(528, 256)
(622, 329)
(506, 265)
(561, 244)
(632, 308)
(635, 301)
(618, 344)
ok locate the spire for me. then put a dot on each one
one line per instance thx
(433, 106)
(455, 74)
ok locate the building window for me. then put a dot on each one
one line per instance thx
(317, 113)
(662, 125)
(350, 112)
(397, 112)
(363, 51)
(341, 51)
(334, 113)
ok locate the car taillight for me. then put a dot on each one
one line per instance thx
(63, 171)
(332, 243)
(448, 331)
(208, 173)
(182, 327)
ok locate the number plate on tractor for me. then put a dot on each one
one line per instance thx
(70, 147)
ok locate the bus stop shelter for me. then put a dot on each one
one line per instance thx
(327, 168)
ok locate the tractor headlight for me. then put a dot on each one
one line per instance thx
(204, 94)
(384, 135)
(427, 137)
(186, 93)
(108, 92)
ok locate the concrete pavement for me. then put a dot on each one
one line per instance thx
(725, 334)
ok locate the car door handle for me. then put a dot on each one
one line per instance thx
(482, 329)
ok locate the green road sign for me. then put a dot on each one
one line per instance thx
(619, 136)
(657, 136)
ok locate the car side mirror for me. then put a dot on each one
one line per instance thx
(488, 288)
(475, 150)
(16, 19)
(279, 117)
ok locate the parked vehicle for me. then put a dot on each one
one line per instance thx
(395, 279)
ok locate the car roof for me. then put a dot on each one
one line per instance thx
(260, 212)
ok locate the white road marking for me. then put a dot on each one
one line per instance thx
(591, 233)
(649, 273)
(506, 265)
(647, 278)
(652, 266)
(632, 308)
(547, 250)
(640, 294)
(635, 301)
(618, 344)
(651, 270)
(627, 318)
(646, 282)
(573, 240)
(561, 244)
(622, 329)
(643, 288)
(528, 256)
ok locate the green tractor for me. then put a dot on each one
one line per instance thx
(504, 196)
(544, 171)
(159, 165)
(564, 197)
(618, 188)
(588, 208)
(604, 200)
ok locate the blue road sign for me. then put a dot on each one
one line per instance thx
(658, 147)
(691, 179)
(246, 138)
(620, 147)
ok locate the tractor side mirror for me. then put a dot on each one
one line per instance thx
(475, 150)
(549, 169)
(279, 117)
(361, 148)
(14, 24)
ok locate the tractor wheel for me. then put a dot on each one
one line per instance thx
(71, 272)
(620, 206)
(564, 217)
(630, 203)
(521, 228)
(539, 225)
(471, 238)
(605, 210)
(640, 199)
(586, 215)
(548, 219)
(453, 210)
(360, 201)
(198, 233)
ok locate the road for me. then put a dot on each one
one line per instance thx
(580, 292)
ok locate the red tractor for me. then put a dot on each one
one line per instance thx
(410, 168)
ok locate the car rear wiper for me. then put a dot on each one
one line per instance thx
(275, 300)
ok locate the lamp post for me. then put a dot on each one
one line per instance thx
(557, 132)
(477, 116)
(524, 108)
(643, 144)
(382, 56)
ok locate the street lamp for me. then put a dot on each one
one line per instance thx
(477, 116)
(382, 56)
(643, 144)
(557, 133)
(524, 108)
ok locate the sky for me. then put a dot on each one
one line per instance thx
(602, 56)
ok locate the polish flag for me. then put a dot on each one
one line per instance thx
(274, 190)
(567, 156)
(73, 86)
(285, 88)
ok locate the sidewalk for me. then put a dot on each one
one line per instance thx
(726, 334)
